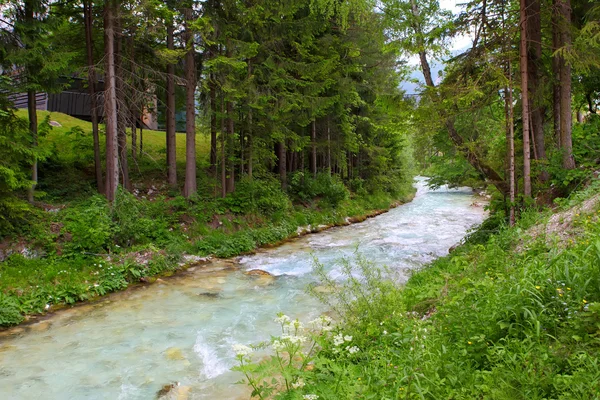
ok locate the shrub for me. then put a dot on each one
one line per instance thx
(9, 311)
(257, 195)
(89, 225)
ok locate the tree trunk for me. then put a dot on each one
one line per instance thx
(510, 144)
(110, 103)
(170, 115)
(212, 89)
(223, 155)
(536, 86)
(250, 144)
(32, 109)
(313, 145)
(33, 129)
(525, 102)
(190, 187)
(230, 141)
(122, 109)
(281, 155)
(328, 146)
(88, 15)
(566, 114)
(133, 136)
(556, 63)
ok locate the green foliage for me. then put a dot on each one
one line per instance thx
(504, 316)
(257, 196)
(326, 187)
(89, 226)
(9, 311)
(138, 221)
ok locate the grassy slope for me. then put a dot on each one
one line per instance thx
(515, 316)
(154, 140)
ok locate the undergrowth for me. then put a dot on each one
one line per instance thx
(486, 321)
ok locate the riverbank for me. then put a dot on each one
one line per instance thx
(34, 283)
(513, 313)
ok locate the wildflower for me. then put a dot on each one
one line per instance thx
(385, 332)
(283, 319)
(278, 346)
(298, 325)
(470, 342)
(338, 339)
(584, 301)
(310, 397)
(293, 339)
(538, 287)
(298, 384)
(352, 349)
(348, 338)
(241, 350)
(47, 306)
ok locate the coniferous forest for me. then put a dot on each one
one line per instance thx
(138, 138)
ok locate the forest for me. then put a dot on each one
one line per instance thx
(139, 137)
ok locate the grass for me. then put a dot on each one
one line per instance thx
(154, 141)
(486, 321)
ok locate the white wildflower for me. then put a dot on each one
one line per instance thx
(352, 349)
(298, 325)
(283, 319)
(385, 332)
(298, 384)
(241, 350)
(327, 328)
(348, 338)
(47, 306)
(338, 339)
(294, 339)
(310, 397)
(278, 346)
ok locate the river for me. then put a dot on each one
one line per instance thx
(181, 329)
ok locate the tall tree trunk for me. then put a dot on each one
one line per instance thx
(223, 154)
(556, 63)
(212, 92)
(88, 18)
(231, 143)
(171, 134)
(328, 146)
(536, 95)
(190, 187)
(32, 108)
(281, 155)
(510, 143)
(566, 114)
(313, 148)
(33, 129)
(122, 109)
(525, 102)
(485, 171)
(250, 145)
(133, 136)
(110, 102)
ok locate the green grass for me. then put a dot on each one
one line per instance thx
(154, 141)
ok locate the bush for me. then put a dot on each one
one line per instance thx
(89, 225)
(9, 311)
(138, 221)
(329, 188)
(257, 195)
